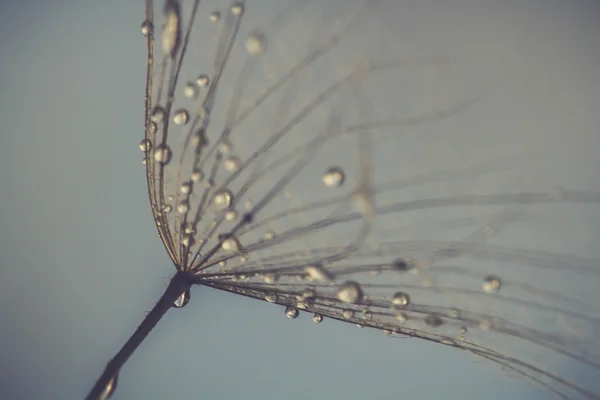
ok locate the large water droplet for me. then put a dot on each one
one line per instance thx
(110, 389)
(350, 292)
(196, 176)
(333, 177)
(147, 28)
(400, 299)
(185, 188)
(162, 154)
(291, 312)
(491, 284)
(171, 36)
(145, 145)
(181, 117)
(256, 43)
(317, 318)
(222, 200)
(182, 300)
(319, 273)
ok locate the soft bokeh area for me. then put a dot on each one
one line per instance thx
(81, 261)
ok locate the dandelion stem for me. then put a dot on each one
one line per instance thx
(180, 283)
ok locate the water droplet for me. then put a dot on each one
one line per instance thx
(317, 318)
(171, 36)
(463, 330)
(190, 90)
(145, 145)
(152, 127)
(185, 188)
(333, 177)
(491, 284)
(162, 154)
(237, 9)
(110, 389)
(222, 200)
(400, 299)
(230, 244)
(347, 314)
(319, 273)
(147, 28)
(158, 114)
(231, 215)
(167, 208)
(181, 117)
(225, 147)
(350, 292)
(256, 43)
(182, 300)
(202, 80)
(232, 164)
(269, 235)
(434, 321)
(183, 207)
(291, 312)
(271, 298)
(215, 16)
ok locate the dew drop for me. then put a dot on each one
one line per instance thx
(491, 284)
(215, 16)
(152, 127)
(319, 273)
(434, 321)
(230, 244)
(225, 147)
(183, 207)
(232, 164)
(347, 314)
(162, 154)
(317, 318)
(202, 80)
(256, 43)
(333, 177)
(158, 114)
(147, 28)
(222, 200)
(196, 176)
(350, 292)
(190, 90)
(231, 215)
(185, 188)
(400, 299)
(167, 208)
(271, 298)
(110, 388)
(171, 37)
(291, 312)
(181, 117)
(237, 9)
(182, 300)
(145, 145)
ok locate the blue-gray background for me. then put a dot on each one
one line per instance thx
(81, 262)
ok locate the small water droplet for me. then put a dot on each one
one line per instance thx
(256, 43)
(434, 321)
(144, 161)
(110, 388)
(491, 284)
(190, 90)
(182, 300)
(463, 330)
(347, 314)
(145, 145)
(367, 315)
(171, 36)
(333, 177)
(158, 114)
(317, 318)
(162, 154)
(225, 147)
(360, 325)
(231, 215)
(185, 188)
(387, 332)
(215, 16)
(291, 312)
(400, 299)
(237, 9)
(196, 176)
(350, 292)
(147, 28)
(152, 127)
(167, 208)
(309, 294)
(269, 235)
(202, 80)
(222, 200)
(232, 164)
(183, 207)
(230, 244)
(401, 317)
(271, 298)
(319, 273)
(181, 117)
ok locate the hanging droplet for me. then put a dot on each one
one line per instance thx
(360, 325)
(491, 284)
(291, 312)
(350, 292)
(110, 388)
(317, 318)
(215, 16)
(145, 145)
(256, 43)
(181, 117)
(333, 177)
(182, 300)
(183, 207)
(400, 299)
(271, 298)
(347, 314)
(162, 154)
(231, 215)
(202, 80)
(319, 273)
(434, 321)
(190, 90)
(222, 200)
(147, 28)
(158, 114)
(232, 164)
(230, 244)
(237, 9)
(171, 36)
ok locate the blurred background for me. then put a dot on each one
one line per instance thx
(81, 261)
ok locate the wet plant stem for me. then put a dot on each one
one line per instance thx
(180, 283)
